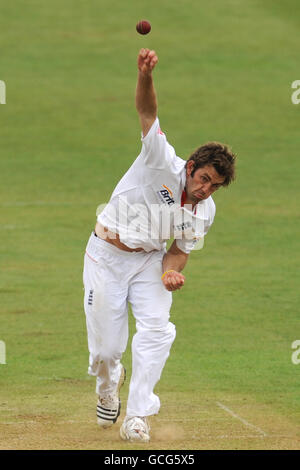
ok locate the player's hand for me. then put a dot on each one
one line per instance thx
(173, 280)
(147, 60)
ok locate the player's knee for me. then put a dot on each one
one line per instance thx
(110, 353)
(104, 357)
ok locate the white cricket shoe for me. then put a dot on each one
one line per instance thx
(109, 406)
(135, 428)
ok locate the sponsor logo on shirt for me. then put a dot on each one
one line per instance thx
(166, 195)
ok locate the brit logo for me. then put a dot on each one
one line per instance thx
(166, 195)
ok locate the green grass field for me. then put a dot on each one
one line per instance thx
(68, 131)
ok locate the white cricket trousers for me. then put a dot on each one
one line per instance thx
(113, 278)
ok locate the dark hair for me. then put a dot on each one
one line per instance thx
(217, 155)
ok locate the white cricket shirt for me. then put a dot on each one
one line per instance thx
(146, 208)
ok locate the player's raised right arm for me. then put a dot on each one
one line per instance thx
(145, 99)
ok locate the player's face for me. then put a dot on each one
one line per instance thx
(203, 183)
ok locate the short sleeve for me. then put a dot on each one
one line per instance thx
(156, 152)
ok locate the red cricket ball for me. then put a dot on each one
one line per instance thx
(143, 27)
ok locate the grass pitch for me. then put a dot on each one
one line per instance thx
(68, 132)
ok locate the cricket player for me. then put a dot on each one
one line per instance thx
(160, 197)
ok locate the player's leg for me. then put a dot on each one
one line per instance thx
(151, 344)
(105, 304)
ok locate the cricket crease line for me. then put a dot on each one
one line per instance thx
(246, 423)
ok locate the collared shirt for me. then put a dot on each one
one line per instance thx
(147, 206)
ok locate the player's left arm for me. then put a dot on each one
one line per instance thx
(173, 263)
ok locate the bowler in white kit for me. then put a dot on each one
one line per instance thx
(160, 197)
